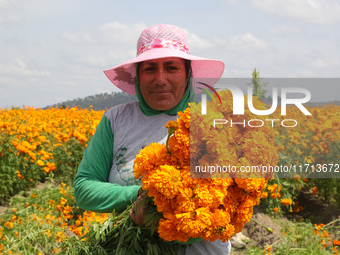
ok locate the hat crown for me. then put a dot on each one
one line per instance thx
(164, 41)
(162, 31)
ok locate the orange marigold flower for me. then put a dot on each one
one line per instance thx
(268, 248)
(314, 190)
(335, 250)
(287, 201)
(276, 209)
(324, 234)
(60, 236)
(296, 177)
(56, 250)
(317, 227)
(149, 159)
(264, 194)
(8, 224)
(297, 208)
(172, 124)
(336, 243)
(274, 188)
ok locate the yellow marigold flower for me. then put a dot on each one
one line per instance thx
(51, 202)
(13, 218)
(8, 224)
(315, 138)
(287, 201)
(60, 236)
(172, 124)
(40, 162)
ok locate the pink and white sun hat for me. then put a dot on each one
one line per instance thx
(162, 41)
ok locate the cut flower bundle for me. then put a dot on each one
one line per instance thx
(208, 208)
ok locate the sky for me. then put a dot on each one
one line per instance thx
(54, 51)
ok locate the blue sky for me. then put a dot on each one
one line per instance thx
(53, 51)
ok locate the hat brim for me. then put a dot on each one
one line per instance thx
(203, 70)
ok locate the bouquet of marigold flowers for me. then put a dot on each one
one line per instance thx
(208, 208)
(191, 209)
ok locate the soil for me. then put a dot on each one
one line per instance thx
(258, 234)
(3, 209)
(316, 209)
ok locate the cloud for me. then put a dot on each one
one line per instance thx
(6, 19)
(285, 29)
(197, 43)
(8, 16)
(319, 61)
(19, 12)
(241, 53)
(105, 46)
(122, 33)
(44, 72)
(19, 68)
(311, 11)
(78, 37)
(246, 42)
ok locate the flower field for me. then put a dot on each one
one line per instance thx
(47, 146)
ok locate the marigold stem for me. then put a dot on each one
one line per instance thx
(267, 228)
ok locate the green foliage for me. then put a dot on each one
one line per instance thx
(18, 172)
(119, 235)
(99, 102)
(12, 166)
(258, 87)
(67, 158)
(38, 227)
